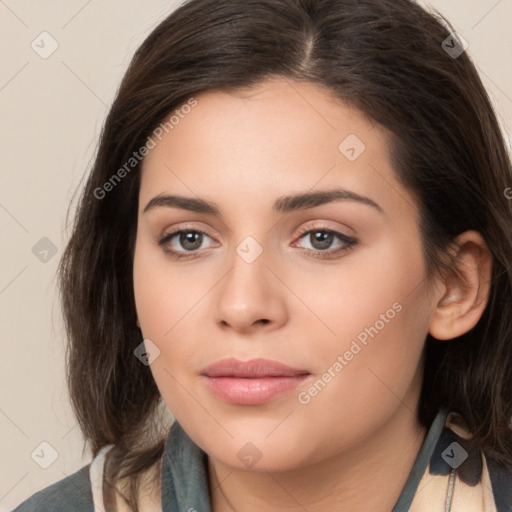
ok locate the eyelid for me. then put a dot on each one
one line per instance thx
(322, 225)
(187, 226)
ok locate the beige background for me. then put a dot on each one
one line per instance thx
(51, 113)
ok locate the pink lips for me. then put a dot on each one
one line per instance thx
(251, 382)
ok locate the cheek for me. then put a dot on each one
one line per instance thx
(168, 304)
(164, 294)
(377, 312)
(374, 295)
(370, 369)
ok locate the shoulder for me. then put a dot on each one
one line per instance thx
(474, 468)
(70, 493)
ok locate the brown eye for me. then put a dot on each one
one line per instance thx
(321, 241)
(183, 243)
(190, 240)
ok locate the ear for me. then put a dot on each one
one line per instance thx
(464, 290)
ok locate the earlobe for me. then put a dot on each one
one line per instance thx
(465, 291)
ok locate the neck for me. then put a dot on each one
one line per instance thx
(380, 463)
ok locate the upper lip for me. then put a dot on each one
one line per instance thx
(231, 367)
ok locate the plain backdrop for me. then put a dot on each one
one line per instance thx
(52, 109)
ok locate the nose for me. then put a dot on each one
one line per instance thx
(251, 298)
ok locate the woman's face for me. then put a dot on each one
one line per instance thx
(334, 289)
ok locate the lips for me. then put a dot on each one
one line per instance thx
(250, 369)
(251, 382)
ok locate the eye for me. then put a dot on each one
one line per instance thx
(190, 240)
(321, 240)
(186, 243)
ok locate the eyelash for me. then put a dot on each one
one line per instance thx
(349, 242)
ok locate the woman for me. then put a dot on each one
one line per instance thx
(296, 239)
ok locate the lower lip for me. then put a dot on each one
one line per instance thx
(251, 391)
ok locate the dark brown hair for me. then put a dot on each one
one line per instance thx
(387, 59)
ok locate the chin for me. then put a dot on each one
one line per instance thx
(258, 457)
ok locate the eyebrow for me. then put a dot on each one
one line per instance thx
(282, 205)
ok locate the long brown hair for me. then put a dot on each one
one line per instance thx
(385, 57)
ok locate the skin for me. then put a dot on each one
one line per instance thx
(243, 151)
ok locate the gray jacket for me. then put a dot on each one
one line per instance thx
(185, 476)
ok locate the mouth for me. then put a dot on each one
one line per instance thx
(251, 382)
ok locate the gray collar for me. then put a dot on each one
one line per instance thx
(185, 485)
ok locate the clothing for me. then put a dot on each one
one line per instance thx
(446, 476)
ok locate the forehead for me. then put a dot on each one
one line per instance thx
(274, 138)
